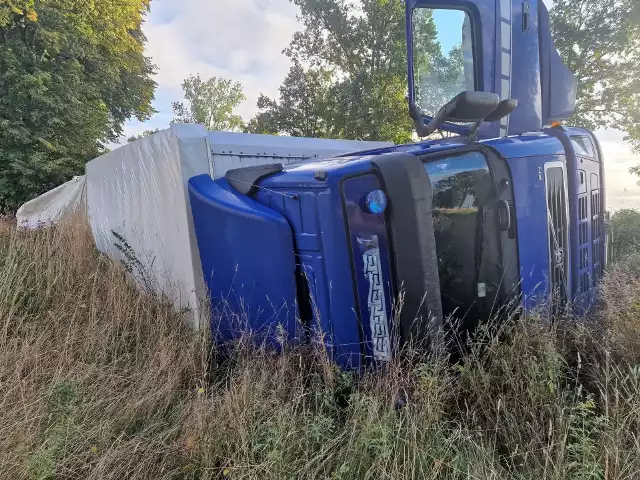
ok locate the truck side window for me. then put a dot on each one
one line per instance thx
(467, 240)
(443, 63)
(583, 146)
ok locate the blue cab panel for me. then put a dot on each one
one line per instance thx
(530, 158)
(324, 215)
(353, 260)
(367, 233)
(303, 242)
(533, 229)
(587, 195)
(559, 233)
(303, 250)
(247, 257)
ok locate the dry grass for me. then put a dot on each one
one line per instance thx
(100, 381)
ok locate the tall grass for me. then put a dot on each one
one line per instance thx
(98, 380)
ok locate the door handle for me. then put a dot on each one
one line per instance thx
(504, 215)
(526, 16)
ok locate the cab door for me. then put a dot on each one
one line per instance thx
(506, 46)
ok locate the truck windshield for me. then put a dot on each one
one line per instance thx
(442, 56)
(466, 233)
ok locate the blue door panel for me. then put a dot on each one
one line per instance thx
(322, 249)
(344, 338)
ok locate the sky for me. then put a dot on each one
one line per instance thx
(237, 39)
(243, 40)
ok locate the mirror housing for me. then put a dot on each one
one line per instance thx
(503, 109)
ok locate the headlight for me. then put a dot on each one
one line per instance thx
(376, 202)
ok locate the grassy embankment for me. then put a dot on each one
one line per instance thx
(99, 381)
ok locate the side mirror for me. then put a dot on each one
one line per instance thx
(469, 107)
(503, 109)
(466, 107)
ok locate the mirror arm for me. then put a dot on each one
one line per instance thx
(473, 131)
(418, 121)
(436, 121)
(439, 118)
(477, 107)
(425, 130)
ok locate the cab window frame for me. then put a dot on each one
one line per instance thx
(476, 45)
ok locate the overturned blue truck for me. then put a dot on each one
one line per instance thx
(506, 203)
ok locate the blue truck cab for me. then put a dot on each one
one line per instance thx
(365, 252)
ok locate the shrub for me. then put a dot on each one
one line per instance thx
(626, 233)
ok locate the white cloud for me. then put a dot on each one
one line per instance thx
(238, 39)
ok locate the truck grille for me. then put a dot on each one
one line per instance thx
(583, 244)
(597, 231)
(558, 236)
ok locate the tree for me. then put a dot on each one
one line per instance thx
(211, 103)
(599, 41)
(303, 108)
(72, 71)
(355, 75)
(144, 134)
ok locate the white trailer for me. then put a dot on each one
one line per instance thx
(137, 200)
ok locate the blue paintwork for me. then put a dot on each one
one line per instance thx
(362, 224)
(247, 257)
(323, 247)
(531, 217)
(541, 83)
(528, 145)
(559, 85)
(525, 76)
(310, 219)
(562, 136)
(588, 253)
(526, 156)
(419, 148)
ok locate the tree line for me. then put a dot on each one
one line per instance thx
(72, 72)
